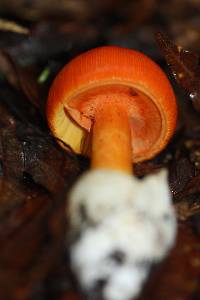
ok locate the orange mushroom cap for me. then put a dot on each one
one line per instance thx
(122, 74)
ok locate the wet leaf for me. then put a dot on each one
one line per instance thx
(7, 69)
(25, 151)
(184, 65)
(32, 229)
(195, 222)
(180, 174)
(24, 79)
(178, 276)
(15, 104)
(186, 210)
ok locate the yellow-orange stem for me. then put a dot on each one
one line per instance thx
(111, 140)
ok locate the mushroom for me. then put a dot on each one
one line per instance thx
(116, 106)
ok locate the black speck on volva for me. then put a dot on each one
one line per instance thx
(118, 256)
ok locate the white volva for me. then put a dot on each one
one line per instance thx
(124, 226)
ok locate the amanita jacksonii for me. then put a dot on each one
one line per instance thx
(122, 104)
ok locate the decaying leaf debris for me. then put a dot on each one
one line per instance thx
(36, 174)
(184, 65)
